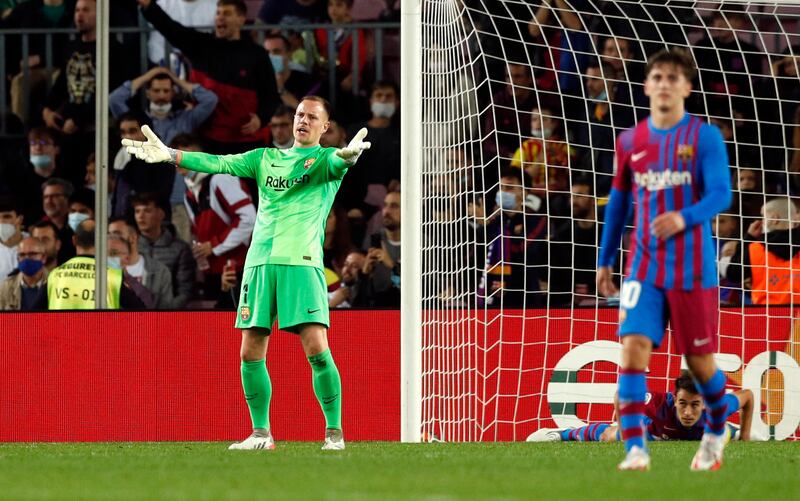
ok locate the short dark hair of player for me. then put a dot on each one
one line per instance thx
(45, 224)
(677, 57)
(686, 382)
(239, 5)
(183, 140)
(321, 100)
(39, 133)
(84, 236)
(283, 111)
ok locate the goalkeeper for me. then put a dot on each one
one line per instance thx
(283, 274)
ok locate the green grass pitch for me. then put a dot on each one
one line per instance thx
(381, 470)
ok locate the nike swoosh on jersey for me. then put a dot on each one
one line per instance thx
(638, 156)
(701, 342)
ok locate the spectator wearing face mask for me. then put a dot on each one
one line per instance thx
(380, 165)
(293, 81)
(71, 286)
(10, 235)
(545, 156)
(25, 284)
(81, 208)
(44, 163)
(515, 249)
(167, 119)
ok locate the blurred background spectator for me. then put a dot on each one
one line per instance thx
(22, 289)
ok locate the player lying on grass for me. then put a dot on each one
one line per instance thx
(668, 416)
(283, 275)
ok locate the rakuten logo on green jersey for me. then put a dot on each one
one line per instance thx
(282, 183)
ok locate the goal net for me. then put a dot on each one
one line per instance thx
(521, 105)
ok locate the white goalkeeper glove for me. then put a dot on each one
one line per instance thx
(151, 151)
(352, 151)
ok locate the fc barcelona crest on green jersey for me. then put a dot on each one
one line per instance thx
(309, 163)
(245, 313)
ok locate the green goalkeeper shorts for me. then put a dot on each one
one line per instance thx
(296, 295)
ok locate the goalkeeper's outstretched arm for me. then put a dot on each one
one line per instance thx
(155, 151)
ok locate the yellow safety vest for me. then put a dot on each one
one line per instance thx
(71, 285)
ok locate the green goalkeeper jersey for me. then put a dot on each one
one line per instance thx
(296, 188)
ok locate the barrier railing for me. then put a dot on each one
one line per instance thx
(379, 56)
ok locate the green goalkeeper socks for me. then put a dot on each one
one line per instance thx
(328, 388)
(257, 391)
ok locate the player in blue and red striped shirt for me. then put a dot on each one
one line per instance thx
(674, 168)
(679, 415)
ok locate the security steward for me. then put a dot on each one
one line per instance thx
(771, 257)
(71, 285)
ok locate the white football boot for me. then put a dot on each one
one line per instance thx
(545, 435)
(637, 459)
(709, 455)
(334, 440)
(257, 441)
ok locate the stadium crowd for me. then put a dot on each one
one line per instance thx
(178, 237)
(545, 173)
(564, 80)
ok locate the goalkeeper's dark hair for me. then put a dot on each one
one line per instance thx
(321, 100)
(676, 57)
(239, 5)
(686, 382)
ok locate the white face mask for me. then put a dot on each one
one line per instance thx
(7, 231)
(383, 110)
(541, 133)
(160, 110)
